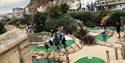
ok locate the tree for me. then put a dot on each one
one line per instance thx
(58, 17)
(39, 21)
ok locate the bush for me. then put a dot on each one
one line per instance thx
(115, 17)
(2, 29)
(83, 16)
(39, 21)
(68, 23)
(84, 37)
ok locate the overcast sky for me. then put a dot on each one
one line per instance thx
(6, 6)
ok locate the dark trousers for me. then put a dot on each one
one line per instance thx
(64, 43)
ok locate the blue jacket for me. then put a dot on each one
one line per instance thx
(56, 39)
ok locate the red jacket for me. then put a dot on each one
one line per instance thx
(102, 22)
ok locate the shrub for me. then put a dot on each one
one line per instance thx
(39, 21)
(83, 16)
(85, 37)
(68, 23)
(115, 17)
(2, 29)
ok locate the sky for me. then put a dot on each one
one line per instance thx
(6, 6)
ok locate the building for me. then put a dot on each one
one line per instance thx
(110, 4)
(9, 15)
(83, 5)
(18, 13)
(3, 17)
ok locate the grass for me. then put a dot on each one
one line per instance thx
(90, 60)
(38, 48)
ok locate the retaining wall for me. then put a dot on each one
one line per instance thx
(14, 47)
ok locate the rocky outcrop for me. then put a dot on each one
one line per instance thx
(60, 56)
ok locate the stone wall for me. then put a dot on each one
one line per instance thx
(14, 47)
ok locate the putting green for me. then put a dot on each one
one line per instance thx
(42, 48)
(99, 37)
(90, 59)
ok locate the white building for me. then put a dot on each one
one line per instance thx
(18, 13)
(9, 15)
(111, 4)
(27, 10)
(3, 17)
(83, 4)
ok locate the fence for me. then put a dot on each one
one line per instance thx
(115, 56)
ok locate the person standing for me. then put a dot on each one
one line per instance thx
(118, 29)
(56, 39)
(52, 32)
(102, 23)
(103, 34)
(63, 40)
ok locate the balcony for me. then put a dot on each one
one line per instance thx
(111, 2)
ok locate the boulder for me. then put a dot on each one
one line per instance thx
(68, 48)
(51, 55)
(62, 58)
(41, 53)
(75, 47)
(38, 57)
(35, 53)
(63, 50)
(56, 57)
(70, 51)
(61, 53)
(77, 42)
(45, 55)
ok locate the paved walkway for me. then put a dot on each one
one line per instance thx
(97, 51)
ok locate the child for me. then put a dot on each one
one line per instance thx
(103, 34)
(46, 46)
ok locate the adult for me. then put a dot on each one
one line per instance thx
(103, 34)
(56, 39)
(102, 23)
(63, 41)
(118, 29)
(30, 28)
(52, 32)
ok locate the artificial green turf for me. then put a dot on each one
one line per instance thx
(113, 29)
(99, 37)
(38, 48)
(90, 60)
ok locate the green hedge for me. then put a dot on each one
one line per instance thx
(2, 29)
(115, 17)
(83, 16)
(93, 18)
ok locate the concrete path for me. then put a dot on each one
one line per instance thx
(97, 51)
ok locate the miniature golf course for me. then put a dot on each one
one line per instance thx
(99, 37)
(90, 59)
(42, 48)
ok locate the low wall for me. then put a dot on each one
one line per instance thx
(14, 47)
